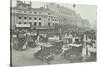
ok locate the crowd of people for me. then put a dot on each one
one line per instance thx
(74, 40)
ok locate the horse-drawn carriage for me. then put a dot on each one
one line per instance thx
(20, 42)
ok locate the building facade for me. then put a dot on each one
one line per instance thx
(68, 16)
(44, 17)
(24, 15)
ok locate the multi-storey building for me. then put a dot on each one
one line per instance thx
(23, 15)
(68, 16)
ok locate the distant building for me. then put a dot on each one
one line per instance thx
(68, 16)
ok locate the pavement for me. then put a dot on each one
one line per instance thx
(26, 58)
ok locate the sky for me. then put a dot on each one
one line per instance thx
(86, 11)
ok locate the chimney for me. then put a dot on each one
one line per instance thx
(19, 2)
(30, 4)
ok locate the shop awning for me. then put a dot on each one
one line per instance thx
(22, 25)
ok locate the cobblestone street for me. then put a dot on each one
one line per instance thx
(26, 57)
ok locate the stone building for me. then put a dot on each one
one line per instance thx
(45, 17)
(40, 18)
(68, 16)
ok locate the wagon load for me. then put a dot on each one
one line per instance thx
(20, 42)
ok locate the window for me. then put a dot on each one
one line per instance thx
(48, 18)
(30, 23)
(35, 23)
(48, 13)
(25, 23)
(30, 12)
(35, 18)
(35, 12)
(25, 17)
(19, 11)
(19, 22)
(48, 24)
(30, 18)
(39, 23)
(39, 18)
(39, 12)
(19, 17)
(25, 11)
(53, 23)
